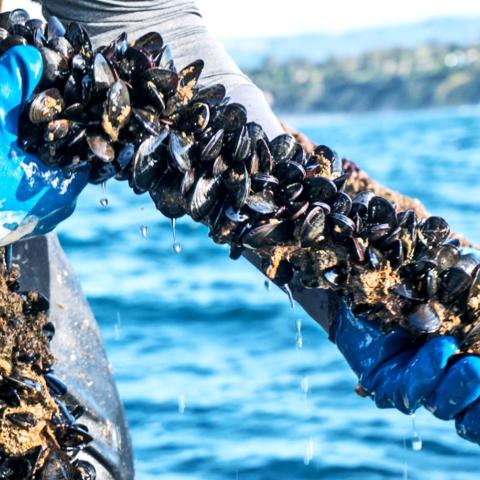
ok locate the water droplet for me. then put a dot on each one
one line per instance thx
(298, 325)
(287, 290)
(13, 154)
(104, 202)
(299, 342)
(305, 385)
(117, 327)
(177, 248)
(266, 284)
(182, 403)
(104, 186)
(309, 451)
(416, 440)
(144, 231)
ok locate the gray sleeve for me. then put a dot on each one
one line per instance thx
(181, 25)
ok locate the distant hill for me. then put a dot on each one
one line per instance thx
(315, 47)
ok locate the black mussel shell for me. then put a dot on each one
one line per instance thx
(320, 189)
(46, 106)
(262, 203)
(381, 211)
(424, 320)
(237, 182)
(213, 148)
(283, 147)
(453, 282)
(289, 172)
(268, 234)
(180, 147)
(434, 230)
(167, 195)
(116, 109)
(313, 228)
(203, 196)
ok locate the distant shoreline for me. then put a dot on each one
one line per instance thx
(430, 75)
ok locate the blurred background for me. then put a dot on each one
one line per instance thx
(221, 379)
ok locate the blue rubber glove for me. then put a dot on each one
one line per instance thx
(34, 198)
(398, 372)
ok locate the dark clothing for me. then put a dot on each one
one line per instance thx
(81, 360)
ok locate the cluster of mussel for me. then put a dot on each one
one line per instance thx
(34, 401)
(125, 110)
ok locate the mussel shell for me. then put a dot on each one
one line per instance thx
(103, 75)
(151, 42)
(190, 74)
(283, 147)
(341, 226)
(45, 106)
(213, 148)
(381, 211)
(203, 196)
(453, 282)
(147, 167)
(265, 159)
(212, 95)
(262, 203)
(148, 120)
(361, 202)
(167, 196)
(55, 67)
(313, 228)
(434, 230)
(180, 151)
(101, 147)
(232, 117)
(289, 172)
(262, 181)
(320, 189)
(342, 203)
(237, 182)
(424, 320)
(116, 109)
(268, 234)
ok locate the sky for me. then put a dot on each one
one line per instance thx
(260, 18)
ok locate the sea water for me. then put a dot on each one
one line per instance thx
(205, 357)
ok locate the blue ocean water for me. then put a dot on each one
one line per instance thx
(208, 361)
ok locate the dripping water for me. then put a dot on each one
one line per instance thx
(298, 334)
(285, 288)
(416, 440)
(177, 248)
(103, 202)
(144, 231)
(309, 451)
(182, 403)
(266, 284)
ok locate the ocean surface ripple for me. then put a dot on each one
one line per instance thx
(205, 356)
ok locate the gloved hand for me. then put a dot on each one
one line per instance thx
(397, 371)
(34, 198)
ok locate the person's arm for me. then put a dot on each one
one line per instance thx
(383, 362)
